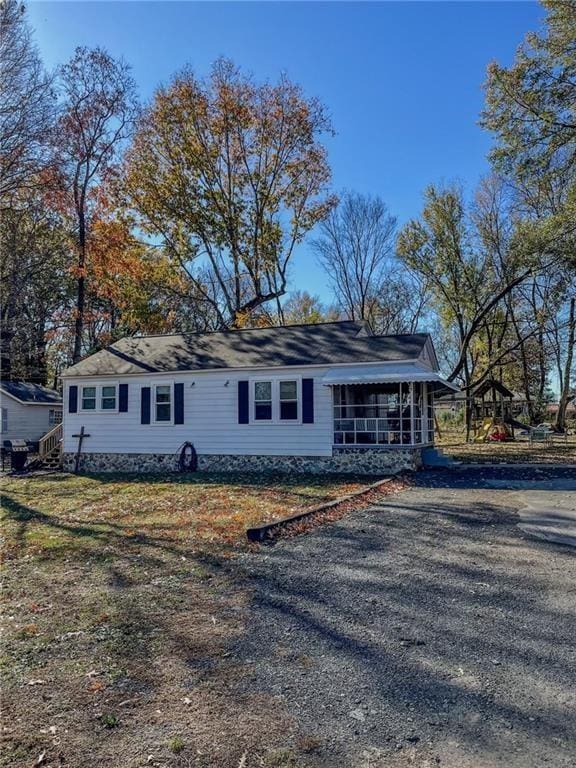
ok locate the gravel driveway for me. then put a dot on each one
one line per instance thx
(428, 631)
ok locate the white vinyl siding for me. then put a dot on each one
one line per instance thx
(25, 422)
(210, 418)
(4, 424)
(210, 415)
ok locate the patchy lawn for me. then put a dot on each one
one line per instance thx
(121, 608)
(519, 451)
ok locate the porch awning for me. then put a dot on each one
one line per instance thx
(388, 374)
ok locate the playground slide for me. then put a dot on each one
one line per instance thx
(517, 424)
(483, 431)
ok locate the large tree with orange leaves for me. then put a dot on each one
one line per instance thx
(27, 106)
(132, 286)
(98, 112)
(230, 175)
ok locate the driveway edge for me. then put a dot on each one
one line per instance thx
(263, 532)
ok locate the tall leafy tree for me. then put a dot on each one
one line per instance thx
(26, 105)
(303, 308)
(531, 108)
(472, 266)
(35, 285)
(439, 247)
(128, 280)
(565, 371)
(98, 112)
(230, 175)
(26, 120)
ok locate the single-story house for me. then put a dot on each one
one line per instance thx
(330, 397)
(29, 410)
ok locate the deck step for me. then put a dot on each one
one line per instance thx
(52, 460)
(435, 458)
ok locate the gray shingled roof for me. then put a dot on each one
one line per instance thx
(31, 393)
(320, 344)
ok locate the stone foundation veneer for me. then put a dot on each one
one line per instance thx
(363, 461)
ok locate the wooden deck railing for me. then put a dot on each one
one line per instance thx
(50, 441)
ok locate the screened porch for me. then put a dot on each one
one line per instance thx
(384, 414)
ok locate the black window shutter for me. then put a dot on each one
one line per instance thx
(73, 399)
(123, 398)
(178, 403)
(243, 403)
(308, 401)
(145, 405)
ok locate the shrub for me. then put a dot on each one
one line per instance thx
(176, 744)
(109, 720)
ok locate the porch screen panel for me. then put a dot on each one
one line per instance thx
(430, 413)
(367, 414)
(417, 414)
(382, 414)
(406, 410)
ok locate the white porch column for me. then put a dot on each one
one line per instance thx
(411, 413)
(424, 434)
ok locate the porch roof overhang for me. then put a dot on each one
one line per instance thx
(387, 374)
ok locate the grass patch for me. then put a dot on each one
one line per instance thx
(122, 606)
(519, 451)
(59, 515)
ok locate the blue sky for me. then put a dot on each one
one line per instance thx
(402, 81)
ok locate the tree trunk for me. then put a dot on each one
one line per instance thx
(40, 366)
(560, 424)
(81, 289)
(528, 396)
(525, 373)
(469, 399)
(6, 335)
(7, 330)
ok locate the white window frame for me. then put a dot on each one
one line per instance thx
(52, 420)
(253, 401)
(154, 386)
(98, 387)
(101, 398)
(95, 388)
(298, 401)
(275, 382)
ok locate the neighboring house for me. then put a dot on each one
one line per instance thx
(28, 410)
(330, 397)
(552, 409)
